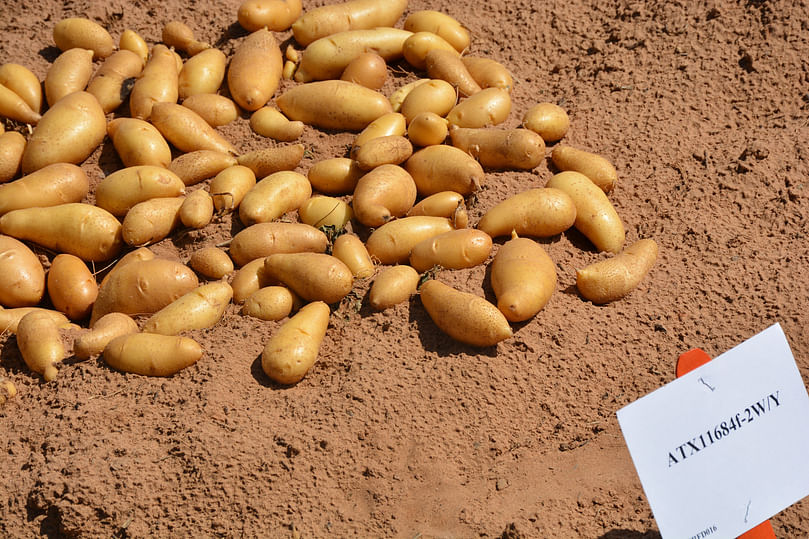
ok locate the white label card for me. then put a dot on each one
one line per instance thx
(724, 447)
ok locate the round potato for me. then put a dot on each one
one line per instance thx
(71, 286)
(269, 303)
(336, 176)
(368, 69)
(392, 286)
(550, 121)
(211, 262)
(427, 129)
(22, 278)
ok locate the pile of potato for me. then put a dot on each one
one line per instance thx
(405, 182)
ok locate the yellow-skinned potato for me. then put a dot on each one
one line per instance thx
(447, 65)
(124, 188)
(398, 96)
(288, 71)
(40, 344)
(390, 150)
(131, 41)
(229, 187)
(271, 160)
(444, 168)
(293, 349)
(7, 390)
(616, 277)
(22, 278)
(440, 24)
(70, 72)
(14, 107)
(597, 168)
(180, 36)
(255, 70)
(291, 54)
(427, 129)
(487, 107)
(276, 15)
(386, 192)
(437, 96)
(321, 211)
(108, 83)
(312, 276)
(465, 317)
(512, 149)
(540, 212)
(457, 249)
(107, 328)
(215, 109)
(197, 209)
(143, 287)
(139, 143)
(387, 125)
(201, 308)
(20, 80)
(353, 15)
(596, 217)
(269, 303)
(211, 262)
(336, 176)
(269, 122)
(186, 130)
(71, 286)
(10, 318)
(83, 33)
(352, 252)
(68, 133)
(368, 69)
(550, 121)
(250, 278)
(87, 231)
(488, 73)
(194, 167)
(263, 239)
(392, 286)
(333, 104)
(158, 83)
(392, 242)
(52, 185)
(523, 278)
(152, 220)
(274, 196)
(137, 255)
(419, 44)
(12, 146)
(443, 204)
(202, 74)
(151, 354)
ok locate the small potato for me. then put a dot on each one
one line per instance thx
(387, 125)
(487, 107)
(353, 15)
(597, 168)
(457, 249)
(22, 81)
(111, 83)
(427, 129)
(194, 167)
(336, 176)
(274, 196)
(152, 220)
(211, 262)
(276, 15)
(228, 188)
(201, 308)
(139, 143)
(397, 98)
(616, 277)
(386, 192)
(550, 121)
(596, 217)
(269, 122)
(437, 96)
(70, 72)
(535, 212)
(320, 211)
(197, 209)
(288, 73)
(7, 390)
(291, 54)
(250, 278)
(447, 65)
(186, 129)
(269, 303)
(51, 185)
(312, 276)
(510, 149)
(271, 160)
(523, 278)
(465, 317)
(444, 168)
(417, 46)
(368, 69)
(292, 350)
(150, 354)
(392, 242)
(441, 24)
(488, 73)
(106, 329)
(10, 318)
(255, 70)
(352, 252)
(131, 41)
(263, 239)
(12, 146)
(124, 188)
(40, 344)
(158, 83)
(202, 73)
(393, 285)
(391, 150)
(82, 33)
(180, 36)
(14, 107)
(71, 286)
(215, 109)
(443, 204)
(22, 278)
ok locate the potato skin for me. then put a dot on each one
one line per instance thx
(276, 15)
(456, 249)
(203, 73)
(390, 150)
(447, 66)
(22, 81)
(386, 192)
(386, 125)
(269, 122)
(269, 303)
(131, 41)
(229, 187)
(488, 73)
(71, 286)
(353, 15)
(70, 72)
(271, 160)
(105, 329)
(263, 239)
(40, 344)
(541, 212)
(274, 196)
(393, 285)
(194, 167)
(139, 143)
(616, 277)
(152, 220)
(158, 83)
(211, 262)
(200, 308)
(14, 107)
(333, 104)
(22, 277)
(427, 129)
(151, 354)
(368, 69)
(523, 278)
(435, 95)
(10, 318)
(444, 168)
(293, 349)
(77, 32)
(597, 168)
(335, 176)
(441, 24)
(215, 109)
(12, 146)
(255, 70)
(107, 85)
(392, 242)
(248, 279)
(550, 121)
(352, 252)
(443, 204)
(512, 149)
(487, 107)
(312, 276)
(59, 183)
(121, 190)
(197, 209)
(186, 129)
(418, 46)
(321, 211)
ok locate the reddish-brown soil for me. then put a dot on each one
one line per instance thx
(398, 431)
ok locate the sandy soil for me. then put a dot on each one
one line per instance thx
(398, 431)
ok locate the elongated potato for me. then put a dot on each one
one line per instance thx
(443, 204)
(417, 46)
(616, 277)
(513, 149)
(457, 249)
(523, 278)
(336, 176)
(202, 73)
(263, 239)
(124, 188)
(368, 69)
(436, 96)
(487, 107)
(597, 168)
(441, 24)
(444, 168)
(152, 220)
(194, 167)
(131, 41)
(255, 70)
(269, 303)
(107, 328)
(139, 143)
(320, 211)
(274, 196)
(392, 242)
(333, 104)
(211, 262)
(197, 209)
(51, 185)
(89, 232)
(542, 212)
(40, 344)
(22, 81)
(596, 217)
(427, 129)
(110, 84)
(12, 147)
(83, 33)
(229, 187)
(312, 276)
(276, 15)
(70, 72)
(180, 36)
(465, 317)
(250, 278)
(215, 109)
(201, 308)
(488, 73)
(400, 94)
(392, 286)
(391, 150)
(447, 65)
(352, 252)
(271, 160)
(158, 83)
(387, 125)
(386, 192)
(71, 286)
(269, 122)
(14, 107)
(10, 318)
(186, 130)
(151, 354)
(293, 349)
(550, 121)
(22, 278)
(353, 15)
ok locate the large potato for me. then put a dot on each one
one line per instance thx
(158, 83)
(539, 212)
(151, 354)
(312, 276)
(22, 278)
(124, 188)
(333, 104)
(392, 242)
(456, 249)
(353, 15)
(71, 286)
(616, 277)
(201, 308)
(274, 196)
(523, 278)
(444, 168)
(70, 72)
(291, 352)
(384, 193)
(513, 149)
(203, 73)
(59, 183)
(263, 239)
(76, 32)
(108, 84)
(139, 143)
(186, 130)
(255, 70)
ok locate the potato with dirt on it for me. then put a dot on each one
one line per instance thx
(523, 278)
(22, 277)
(200, 308)
(500, 149)
(616, 277)
(390, 150)
(7, 390)
(392, 286)
(107, 328)
(40, 344)
(71, 286)
(271, 160)
(312, 276)
(194, 167)
(151, 354)
(541, 212)
(228, 188)
(293, 349)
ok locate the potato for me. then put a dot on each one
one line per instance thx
(353, 15)
(83, 33)
(291, 54)
(596, 217)
(269, 303)
(199, 165)
(14, 107)
(276, 15)
(320, 211)
(124, 188)
(435, 96)
(150, 354)
(229, 187)
(143, 287)
(336, 176)
(138, 255)
(288, 72)
(152, 220)
(444, 168)
(180, 36)
(389, 124)
(457, 249)
(71, 286)
(616, 277)
(487, 107)
(333, 104)
(106, 329)
(158, 83)
(269, 122)
(89, 232)
(70, 72)
(540, 212)
(427, 129)
(352, 252)
(10, 318)
(465, 317)
(40, 344)
(68, 133)
(202, 73)
(447, 65)
(293, 349)
(392, 242)
(443, 204)
(523, 278)
(512, 149)
(488, 73)
(328, 57)
(131, 41)
(271, 160)
(393, 285)
(419, 44)
(255, 70)
(211, 262)
(51, 185)
(110, 84)
(250, 278)
(440, 24)
(7, 390)
(20, 80)
(312, 276)
(274, 196)
(391, 150)
(201, 308)
(186, 130)
(197, 209)
(22, 278)
(597, 168)
(368, 69)
(397, 97)
(550, 121)
(215, 109)
(386, 192)
(12, 146)
(139, 143)
(263, 239)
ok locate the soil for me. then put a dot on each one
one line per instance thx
(398, 431)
